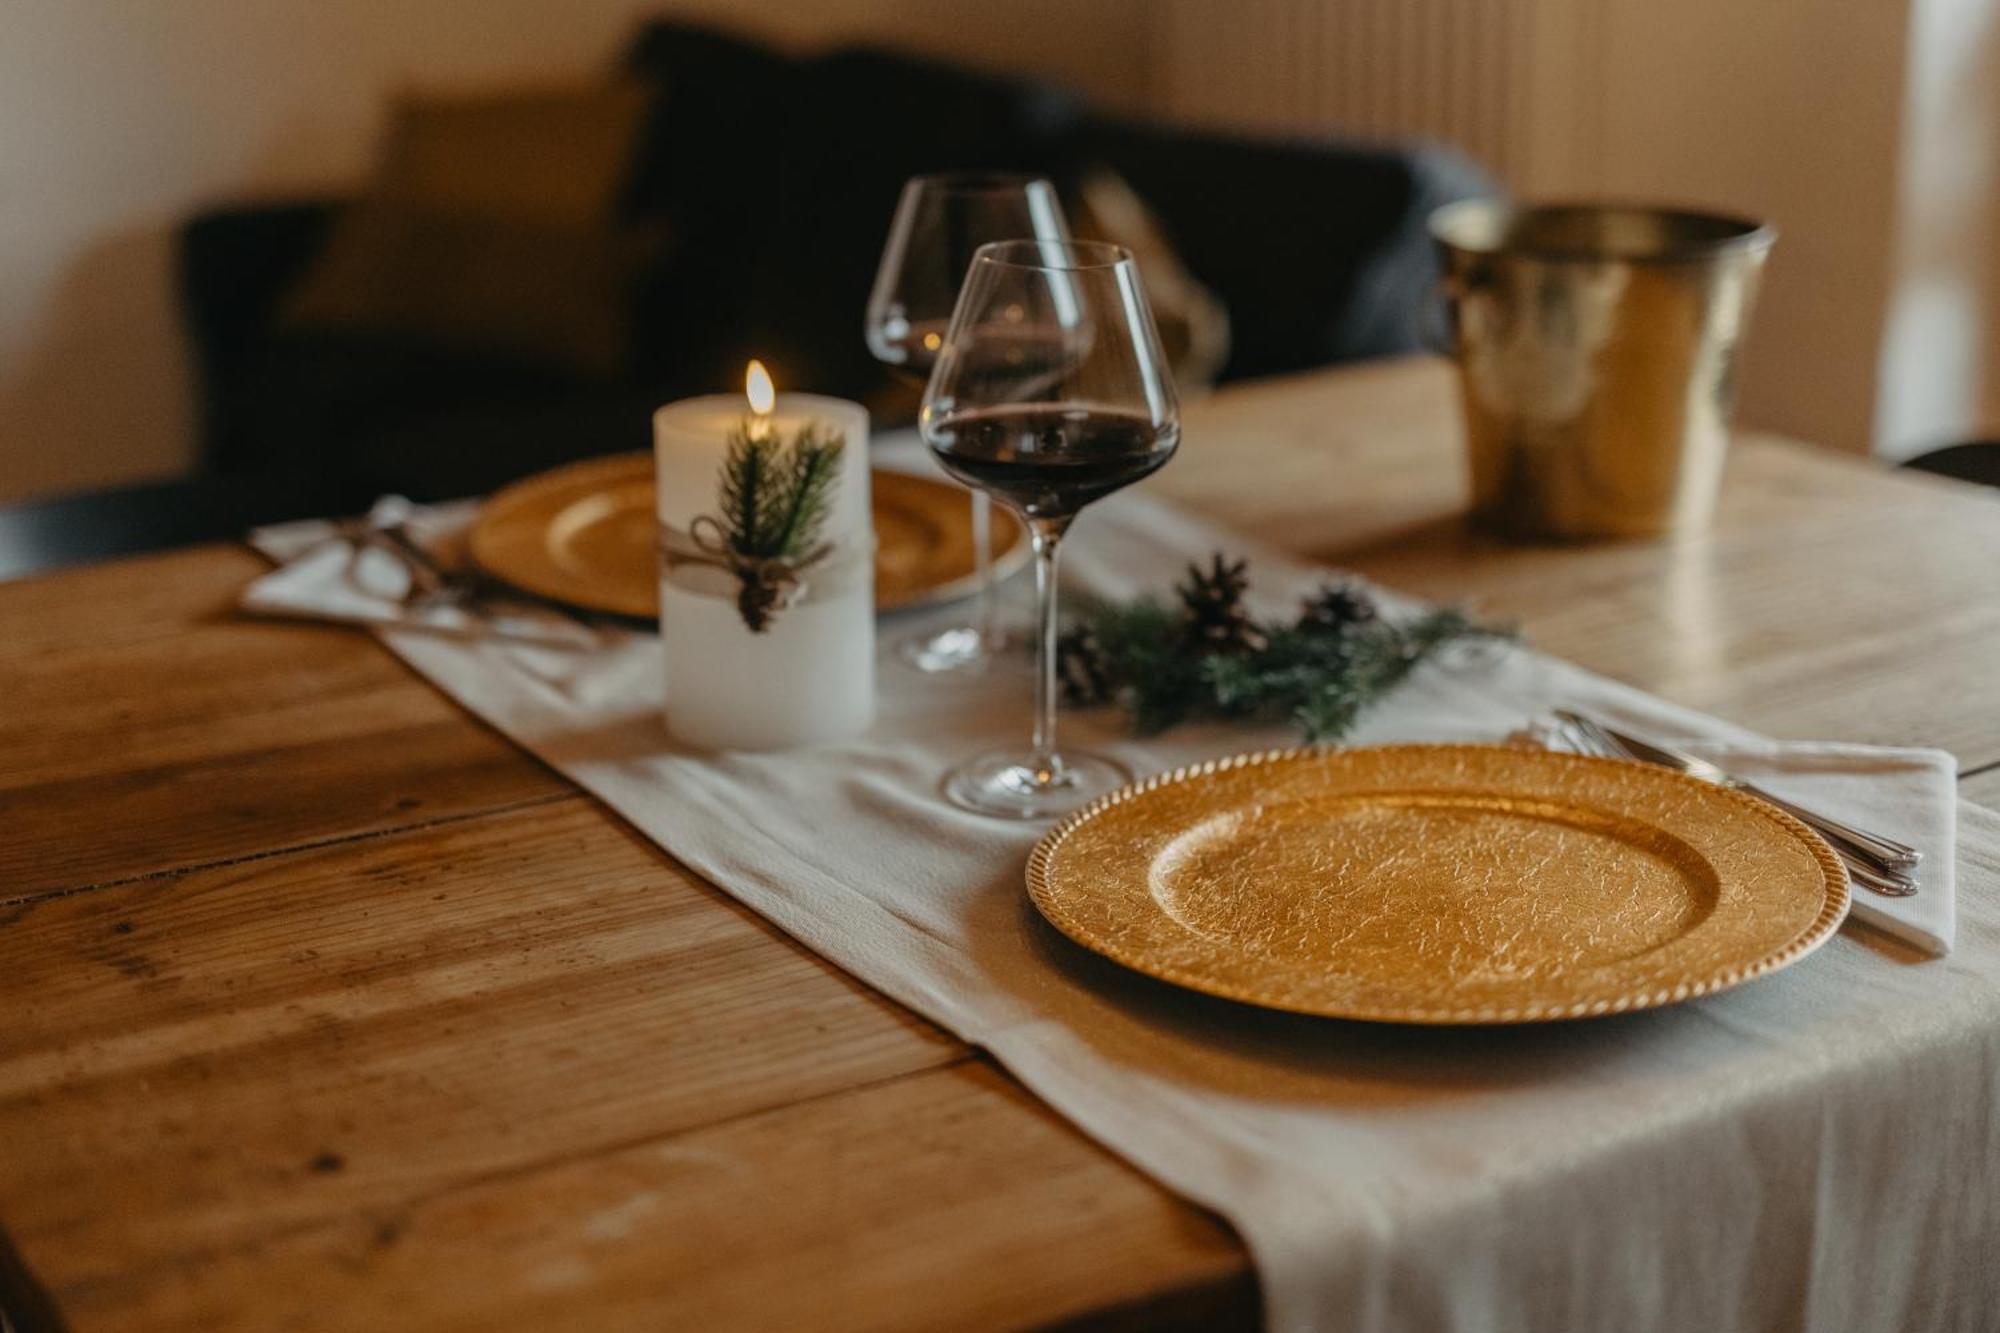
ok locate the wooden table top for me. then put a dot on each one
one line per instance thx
(324, 1007)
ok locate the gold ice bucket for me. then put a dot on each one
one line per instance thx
(1597, 354)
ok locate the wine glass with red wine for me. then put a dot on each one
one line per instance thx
(1050, 392)
(940, 220)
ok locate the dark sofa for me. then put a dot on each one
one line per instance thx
(774, 179)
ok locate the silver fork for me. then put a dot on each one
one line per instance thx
(1867, 870)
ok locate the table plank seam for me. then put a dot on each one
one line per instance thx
(961, 1056)
(310, 845)
(387, 1219)
(1978, 769)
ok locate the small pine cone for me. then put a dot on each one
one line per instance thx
(1337, 606)
(1215, 621)
(761, 595)
(1081, 670)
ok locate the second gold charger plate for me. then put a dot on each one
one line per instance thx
(584, 535)
(1439, 884)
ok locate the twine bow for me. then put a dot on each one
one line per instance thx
(766, 584)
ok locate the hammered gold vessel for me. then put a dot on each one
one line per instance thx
(1597, 351)
(1439, 884)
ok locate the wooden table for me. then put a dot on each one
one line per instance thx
(324, 1007)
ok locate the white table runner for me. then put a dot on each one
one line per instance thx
(1815, 1150)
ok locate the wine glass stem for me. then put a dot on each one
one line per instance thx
(1047, 534)
(982, 563)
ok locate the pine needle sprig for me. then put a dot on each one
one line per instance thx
(1165, 664)
(746, 491)
(810, 470)
(775, 496)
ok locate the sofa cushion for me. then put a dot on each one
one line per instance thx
(1318, 249)
(490, 225)
(1192, 320)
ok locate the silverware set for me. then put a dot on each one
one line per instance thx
(1879, 864)
(431, 583)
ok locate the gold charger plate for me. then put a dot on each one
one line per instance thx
(1439, 883)
(584, 535)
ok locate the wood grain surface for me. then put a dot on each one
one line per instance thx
(1982, 788)
(326, 1008)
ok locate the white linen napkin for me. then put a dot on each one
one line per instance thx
(323, 575)
(1909, 794)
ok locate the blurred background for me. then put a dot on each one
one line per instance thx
(1869, 133)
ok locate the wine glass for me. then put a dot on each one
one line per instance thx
(1050, 392)
(940, 220)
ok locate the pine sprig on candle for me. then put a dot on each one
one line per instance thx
(747, 491)
(810, 470)
(775, 494)
(773, 499)
(1166, 664)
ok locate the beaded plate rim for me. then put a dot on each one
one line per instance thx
(1042, 891)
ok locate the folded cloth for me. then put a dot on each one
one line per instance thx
(325, 573)
(1910, 795)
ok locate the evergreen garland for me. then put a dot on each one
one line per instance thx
(1206, 656)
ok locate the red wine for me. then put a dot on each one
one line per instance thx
(1049, 462)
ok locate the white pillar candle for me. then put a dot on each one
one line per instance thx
(809, 677)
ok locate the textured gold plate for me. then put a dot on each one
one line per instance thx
(584, 535)
(1439, 883)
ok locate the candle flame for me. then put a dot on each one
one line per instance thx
(758, 388)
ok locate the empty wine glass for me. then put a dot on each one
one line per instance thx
(1050, 392)
(940, 221)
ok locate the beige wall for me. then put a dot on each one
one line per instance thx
(120, 117)
(1868, 130)
(1940, 359)
(1789, 110)
(1870, 133)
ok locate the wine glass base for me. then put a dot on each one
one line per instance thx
(1010, 785)
(960, 648)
